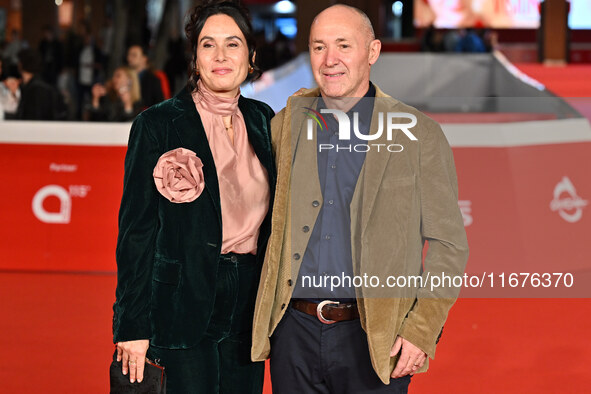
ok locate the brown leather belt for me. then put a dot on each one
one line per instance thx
(328, 312)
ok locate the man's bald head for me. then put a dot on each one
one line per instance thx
(358, 15)
(342, 51)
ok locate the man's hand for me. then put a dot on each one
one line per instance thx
(132, 355)
(411, 358)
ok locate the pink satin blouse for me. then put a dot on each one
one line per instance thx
(243, 181)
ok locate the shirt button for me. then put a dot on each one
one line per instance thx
(233, 259)
(333, 166)
(296, 256)
(331, 202)
(315, 203)
(305, 229)
(327, 237)
(289, 282)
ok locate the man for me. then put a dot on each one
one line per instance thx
(38, 100)
(89, 67)
(150, 87)
(52, 53)
(355, 211)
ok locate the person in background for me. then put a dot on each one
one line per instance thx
(52, 55)
(13, 47)
(195, 218)
(9, 93)
(89, 68)
(106, 35)
(489, 38)
(284, 49)
(39, 100)
(469, 42)
(176, 62)
(67, 82)
(432, 40)
(150, 87)
(119, 100)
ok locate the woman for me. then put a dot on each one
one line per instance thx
(119, 101)
(195, 219)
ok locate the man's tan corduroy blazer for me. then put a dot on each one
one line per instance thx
(401, 200)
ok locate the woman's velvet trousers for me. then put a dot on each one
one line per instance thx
(220, 363)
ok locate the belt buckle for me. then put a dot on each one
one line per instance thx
(319, 311)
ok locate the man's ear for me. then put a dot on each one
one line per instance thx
(374, 51)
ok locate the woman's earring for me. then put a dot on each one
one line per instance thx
(250, 69)
(196, 72)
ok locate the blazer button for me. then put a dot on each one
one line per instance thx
(305, 229)
(233, 258)
(296, 256)
(282, 306)
(289, 282)
(315, 203)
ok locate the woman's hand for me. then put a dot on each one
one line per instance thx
(132, 354)
(98, 91)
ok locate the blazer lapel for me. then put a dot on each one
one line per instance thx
(375, 162)
(192, 136)
(305, 168)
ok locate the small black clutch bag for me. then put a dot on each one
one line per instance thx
(154, 381)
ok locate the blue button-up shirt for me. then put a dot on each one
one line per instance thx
(329, 249)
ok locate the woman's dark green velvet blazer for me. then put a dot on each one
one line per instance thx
(167, 253)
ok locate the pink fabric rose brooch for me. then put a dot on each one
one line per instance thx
(179, 175)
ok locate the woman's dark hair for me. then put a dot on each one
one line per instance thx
(196, 21)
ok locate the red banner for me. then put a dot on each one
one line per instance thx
(59, 207)
(525, 208)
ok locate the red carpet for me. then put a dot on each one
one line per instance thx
(56, 338)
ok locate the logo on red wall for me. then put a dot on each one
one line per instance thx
(64, 213)
(566, 201)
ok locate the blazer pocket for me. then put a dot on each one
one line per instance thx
(167, 309)
(166, 271)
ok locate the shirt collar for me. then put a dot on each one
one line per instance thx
(364, 107)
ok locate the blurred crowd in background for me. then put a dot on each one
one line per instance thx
(106, 60)
(67, 76)
(458, 40)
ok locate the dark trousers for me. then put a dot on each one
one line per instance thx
(308, 356)
(220, 363)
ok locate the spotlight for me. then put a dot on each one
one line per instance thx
(284, 7)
